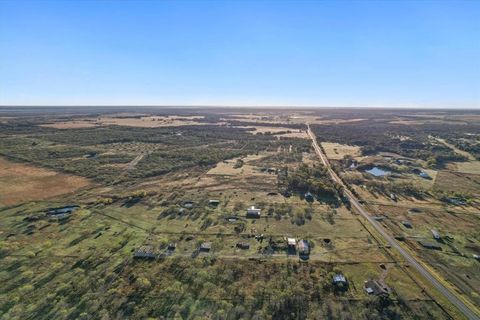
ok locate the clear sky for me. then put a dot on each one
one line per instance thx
(316, 53)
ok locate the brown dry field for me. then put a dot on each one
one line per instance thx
(20, 183)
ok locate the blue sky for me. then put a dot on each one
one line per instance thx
(315, 53)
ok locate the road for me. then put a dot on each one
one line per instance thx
(464, 308)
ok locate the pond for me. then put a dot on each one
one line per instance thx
(377, 172)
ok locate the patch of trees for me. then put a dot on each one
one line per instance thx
(313, 179)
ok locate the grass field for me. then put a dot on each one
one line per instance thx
(336, 151)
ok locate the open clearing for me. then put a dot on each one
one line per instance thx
(337, 151)
(20, 182)
(227, 167)
(471, 167)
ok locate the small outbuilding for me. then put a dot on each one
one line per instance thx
(205, 246)
(407, 224)
(272, 170)
(430, 245)
(309, 197)
(62, 210)
(303, 248)
(376, 288)
(144, 252)
(243, 245)
(291, 242)
(424, 175)
(435, 234)
(253, 213)
(339, 279)
(188, 204)
(456, 201)
(213, 202)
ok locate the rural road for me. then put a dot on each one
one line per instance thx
(464, 308)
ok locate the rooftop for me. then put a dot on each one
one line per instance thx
(291, 241)
(339, 278)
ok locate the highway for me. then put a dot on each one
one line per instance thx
(464, 308)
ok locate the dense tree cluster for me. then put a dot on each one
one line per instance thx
(313, 179)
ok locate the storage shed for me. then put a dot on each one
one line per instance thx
(253, 213)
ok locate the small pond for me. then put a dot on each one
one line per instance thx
(377, 172)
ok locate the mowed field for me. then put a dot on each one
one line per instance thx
(20, 183)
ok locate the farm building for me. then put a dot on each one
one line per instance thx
(456, 201)
(339, 279)
(253, 212)
(213, 202)
(430, 245)
(206, 246)
(62, 210)
(272, 170)
(393, 197)
(303, 247)
(376, 288)
(291, 242)
(31, 218)
(424, 175)
(144, 252)
(407, 224)
(243, 245)
(309, 197)
(188, 204)
(435, 234)
(172, 246)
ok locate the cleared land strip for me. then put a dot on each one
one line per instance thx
(134, 162)
(457, 150)
(468, 310)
